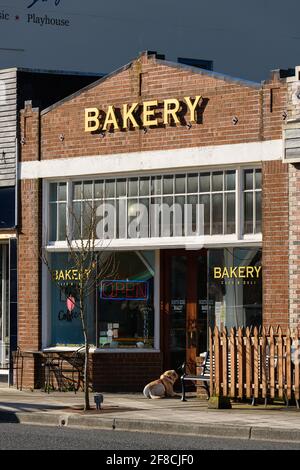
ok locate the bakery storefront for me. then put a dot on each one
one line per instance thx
(180, 210)
(197, 287)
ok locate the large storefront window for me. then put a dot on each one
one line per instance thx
(120, 311)
(126, 316)
(66, 327)
(235, 287)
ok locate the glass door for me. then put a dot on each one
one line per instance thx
(178, 304)
(4, 323)
(185, 312)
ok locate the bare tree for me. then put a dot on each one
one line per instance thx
(93, 261)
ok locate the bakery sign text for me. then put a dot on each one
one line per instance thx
(142, 115)
(237, 272)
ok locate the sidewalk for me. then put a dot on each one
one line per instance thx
(133, 412)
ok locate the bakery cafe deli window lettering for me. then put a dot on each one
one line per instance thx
(66, 326)
(120, 312)
(235, 287)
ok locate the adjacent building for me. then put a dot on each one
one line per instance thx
(170, 136)
(43, 88)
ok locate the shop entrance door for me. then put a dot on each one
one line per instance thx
(185, 306)
(4, 322)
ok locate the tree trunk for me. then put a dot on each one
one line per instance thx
(86, 356)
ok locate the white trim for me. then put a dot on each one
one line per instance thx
(101, 350)
(4, 237)
(168, 242)
(160, 160)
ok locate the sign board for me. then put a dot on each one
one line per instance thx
(124, 290)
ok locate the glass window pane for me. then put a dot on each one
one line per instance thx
(258, 225)
(88, 189)
(168, 184)
(62, 221)
(168, 217)
(235, 301)
(53, 222)
(121, 188)
(127, 321)
(87, 219)
(110, 188)
(53, 192)
(99, 189)
(192, 183)
(180, 184)
(132, 187)
(155, 216)
(257, 179)
(179, 216)
(156, 185)
(77, 190)
(230, 213)
(62, 192)
(230, 180)
(76, 220)
(132, 213)
(217, 213)
(217, 181)
(121, 222)
(205, 200)
(205, 182)
(248, 179)
(191, 214)
(144, 186)
(248, 215)
(144, 217)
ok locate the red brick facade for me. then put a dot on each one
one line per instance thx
(60, 134)
(275, 244)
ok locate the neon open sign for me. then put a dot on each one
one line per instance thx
(124, 290)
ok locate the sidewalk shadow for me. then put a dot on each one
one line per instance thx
(29, 407)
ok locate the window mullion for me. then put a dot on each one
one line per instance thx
(239, 203)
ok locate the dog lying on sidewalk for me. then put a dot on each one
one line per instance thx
(162, 387)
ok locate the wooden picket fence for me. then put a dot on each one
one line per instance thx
(248, 363)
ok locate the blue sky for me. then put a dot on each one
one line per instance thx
(244, 39)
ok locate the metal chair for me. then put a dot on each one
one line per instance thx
(65, 370)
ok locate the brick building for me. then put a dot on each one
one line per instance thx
(160, 133)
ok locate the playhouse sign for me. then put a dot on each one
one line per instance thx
(142, 115)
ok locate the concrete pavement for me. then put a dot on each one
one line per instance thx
(133, 412)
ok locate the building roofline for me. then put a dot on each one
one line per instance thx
(210, 73)
(59, 72)
(48, 71)
(86, 88)
(217, 75)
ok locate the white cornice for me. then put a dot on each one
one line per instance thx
(153, 161)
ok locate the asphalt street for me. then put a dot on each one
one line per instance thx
(27, 437)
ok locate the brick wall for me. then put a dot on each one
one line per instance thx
(275, 250)
(29, 321)
(259, 116)
(125, 372)
(294, 245)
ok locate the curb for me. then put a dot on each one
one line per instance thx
(161, 427)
